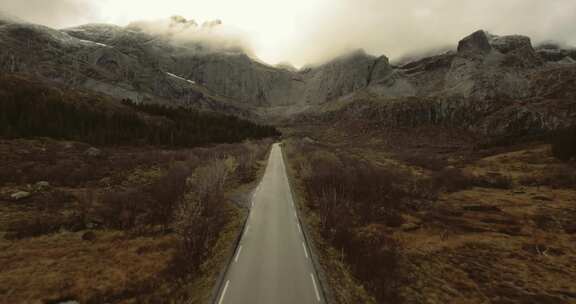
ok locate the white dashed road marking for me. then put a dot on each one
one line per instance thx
(315, 287)
(238, 254)
(224, 291)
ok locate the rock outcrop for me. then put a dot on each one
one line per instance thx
(553, 52)
(496, 86)
(477, 42)
(20, 195)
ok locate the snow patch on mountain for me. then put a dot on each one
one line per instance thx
(181, 78)
(94, 43)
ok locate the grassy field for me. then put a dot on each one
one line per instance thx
(119, 224)
(429, 216)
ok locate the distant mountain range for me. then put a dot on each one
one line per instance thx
(490, 84)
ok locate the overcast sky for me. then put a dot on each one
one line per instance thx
(308, 31)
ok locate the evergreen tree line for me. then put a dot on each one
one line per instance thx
(29, 111)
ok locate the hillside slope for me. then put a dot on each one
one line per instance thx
(31, 108)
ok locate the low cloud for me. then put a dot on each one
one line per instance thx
(400, 28)
(308, 32)
(53, 13)
(213, 35)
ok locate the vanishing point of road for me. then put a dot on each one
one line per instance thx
(272, 264)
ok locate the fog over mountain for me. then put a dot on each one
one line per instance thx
(305, 32)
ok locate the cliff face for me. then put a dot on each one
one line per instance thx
(492, 84)
(243, 79)
(131, 63)
(106, 59)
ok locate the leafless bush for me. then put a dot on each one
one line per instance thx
(32, 227)
(41, 224)
(494, 180)
(246, 170)
(198, 217)
(120, 209)
(556, 177)
(371, 193)
(357, 203)
(166, 191)
(376, 258)
(211, 177)
(453, 179)
(190, 226)
(425, 161)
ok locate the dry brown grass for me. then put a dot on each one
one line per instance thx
(111, 236)
(501, 230)
(62, 265)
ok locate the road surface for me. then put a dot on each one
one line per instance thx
(272, 262)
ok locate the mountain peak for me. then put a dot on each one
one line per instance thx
(478, 41)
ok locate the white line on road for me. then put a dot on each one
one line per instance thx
(295, 215)
(300, 228)
(226, 288)
(305, 251)
(246, 231)
(238, 254)
(315, 287)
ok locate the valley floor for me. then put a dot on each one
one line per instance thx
(428, 216)
(119, 225)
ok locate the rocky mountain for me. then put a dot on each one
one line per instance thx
(109, 59)
(497, 86)
(129, 62)
(491, 84)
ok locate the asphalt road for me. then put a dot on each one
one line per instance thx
(272, 263)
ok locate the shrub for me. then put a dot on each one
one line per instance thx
(494, 180)
(36, 226)
(556, 177)
(453, 179)
(41, 224)
(427, 162)
(564, 144)
(165, 192)
(375, 257)
(191, 228)
(120, 209)
(199, 217)
(357, 201)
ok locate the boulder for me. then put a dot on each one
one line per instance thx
(20, 195)
(477, 42)
(41, 186)
(94, 225)
(506, 44)
(518, 50)
(93, 152)
(552, 55)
